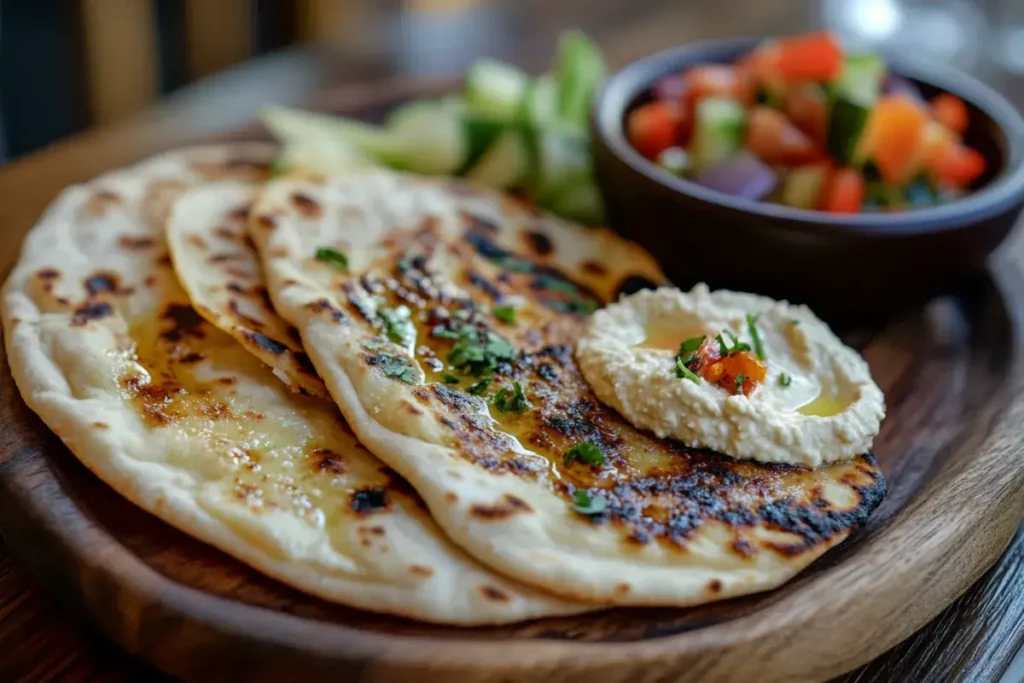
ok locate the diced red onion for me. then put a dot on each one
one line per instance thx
(741, 175)
(673, 88)
(898, 85)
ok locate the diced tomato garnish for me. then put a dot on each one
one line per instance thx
(951, 112)
(956, 166)
(845, 192)
(807, 108)
(720, 80)
(894, 135)
(773, 138)
(654, 127)
(709, 363)
(811, 57)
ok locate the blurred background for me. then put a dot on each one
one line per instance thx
(67, 66)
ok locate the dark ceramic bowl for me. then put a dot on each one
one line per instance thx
(846, 267)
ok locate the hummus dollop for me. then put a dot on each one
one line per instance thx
(737, 373)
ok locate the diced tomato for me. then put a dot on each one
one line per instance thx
(811, 57)
(951, 112)
(956, 166)
(654, 127)
(773, 138)
(893, 137)
(807, 107)
(741, 364)
(762, 62)
(845, 192)
(720, 80)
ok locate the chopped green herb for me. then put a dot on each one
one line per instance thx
(794, 321)
(723, 348)
(442, 332)
(449, 378)
(278, 166)
(691, 344)
(398, 326)
(513, 400)
(587, 452)
(755, 336)
(785, 380)
(478, 352)
(478, 388)
(585, 504)
(398, 368)
(506, 314)
(737, 345)
(332, 257)
(683, 371)
(738, 386)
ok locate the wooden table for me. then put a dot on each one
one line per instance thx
(975, 639)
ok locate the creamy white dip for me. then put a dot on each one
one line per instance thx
(816, 404)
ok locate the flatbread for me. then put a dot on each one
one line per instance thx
(170, 412)
(679, 526)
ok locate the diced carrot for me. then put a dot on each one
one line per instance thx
(811, 57)
(654, 127)
(845, 192)
(720, 80)
(894, 136)
(957, 166)
(807, 107)
(951, 112)
(773, 138)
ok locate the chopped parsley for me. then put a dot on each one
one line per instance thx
(684, 372)
(588, 453)
(723, 348)
(478, 388)
(785, 380)
(736, 347)
(398, 368)
(586, 504)
(513, 400)
(449, 378)
(442, 332)
(506, 314)
(478, 352)
(332, 257)
(738, 386)
(687, 354)
(755, 336)
(398, 326)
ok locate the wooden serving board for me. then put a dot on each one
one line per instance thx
(952, 449)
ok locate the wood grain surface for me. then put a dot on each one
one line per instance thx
(950, 448)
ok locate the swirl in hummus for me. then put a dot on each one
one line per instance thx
(740, 374)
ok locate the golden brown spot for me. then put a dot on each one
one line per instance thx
(90, 311)
(508, 506)
(101, 425)
(539, 243)
(420, 570)
(328, 461)
(451, 497)
(228, 381)
(48, 274)
(411, 409)
(306, 205)
(594, 268)
(266, 221)
(136, 242)
(279, 251)
(185, 322)
(715, 586)
(239, 213)
(743, 547)
(149, 281)
(623, 588)
(101, 202)
(494, 594)
(196, 241)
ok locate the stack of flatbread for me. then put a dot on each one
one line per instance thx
(364, 387)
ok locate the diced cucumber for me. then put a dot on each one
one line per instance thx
(481, 133)
(675, 160)
(505, 164)
(560, 159)
(495, 89)
(887, 196)
(426, 137)
(581, 203)
(802, 187)
(846, 125)
(540, 106)
(579, 68)
(861, 79)
(719, 124)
